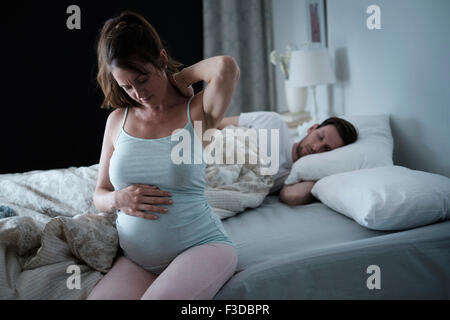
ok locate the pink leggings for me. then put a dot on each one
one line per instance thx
(197, 273)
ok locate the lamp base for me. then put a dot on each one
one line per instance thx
(315, 110)
(292, 118)
(296, 98)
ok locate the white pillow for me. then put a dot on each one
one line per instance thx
(387, 198)
(373, 148)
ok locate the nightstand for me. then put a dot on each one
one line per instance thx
(293, 120)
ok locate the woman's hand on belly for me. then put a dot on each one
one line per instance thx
(135, 199)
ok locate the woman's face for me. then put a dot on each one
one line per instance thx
(147, 88)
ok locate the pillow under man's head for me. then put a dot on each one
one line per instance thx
(329, 135)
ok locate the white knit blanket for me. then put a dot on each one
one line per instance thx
(57, 226)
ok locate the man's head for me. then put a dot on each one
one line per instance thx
(330, 134)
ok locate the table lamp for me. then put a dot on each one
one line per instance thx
(309, 68)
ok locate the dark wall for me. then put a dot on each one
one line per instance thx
(49, 96)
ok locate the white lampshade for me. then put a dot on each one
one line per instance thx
(310, 68)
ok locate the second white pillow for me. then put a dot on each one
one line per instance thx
(387, 198)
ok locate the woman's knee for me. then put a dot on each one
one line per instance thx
(215, 278)
(227, 253)
(125, 280)
(197, 273)
(233, 261)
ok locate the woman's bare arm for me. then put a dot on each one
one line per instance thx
(221, 74)
(104, 195)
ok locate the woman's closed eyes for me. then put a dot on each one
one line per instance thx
(140, 80)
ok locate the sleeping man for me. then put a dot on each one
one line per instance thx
(329, 135)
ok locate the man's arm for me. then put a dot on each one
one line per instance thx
(297, 194)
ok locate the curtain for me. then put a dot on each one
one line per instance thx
(243, 30)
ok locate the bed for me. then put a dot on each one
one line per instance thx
(300, 252)
(324, 250)
(313, 252)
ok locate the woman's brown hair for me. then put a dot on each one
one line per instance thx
(127, 41)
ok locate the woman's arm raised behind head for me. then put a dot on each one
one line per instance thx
(221, 74)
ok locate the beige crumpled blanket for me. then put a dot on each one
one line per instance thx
(231, 188)
(57, 226)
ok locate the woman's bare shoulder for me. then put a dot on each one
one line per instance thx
(114, 122)
(116, 115)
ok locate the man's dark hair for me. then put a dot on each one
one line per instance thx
(346, 130)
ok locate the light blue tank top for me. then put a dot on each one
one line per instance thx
(153, 244)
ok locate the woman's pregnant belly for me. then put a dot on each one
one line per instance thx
(154, 243)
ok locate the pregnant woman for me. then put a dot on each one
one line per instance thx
(173, 246)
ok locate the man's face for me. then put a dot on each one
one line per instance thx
(319, 140)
